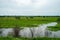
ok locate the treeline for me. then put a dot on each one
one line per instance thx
(29, 16)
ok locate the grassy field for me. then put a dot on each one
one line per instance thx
(7, 22)
(25, 21)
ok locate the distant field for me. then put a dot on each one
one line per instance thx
(26, 21)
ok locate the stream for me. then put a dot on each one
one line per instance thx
(40, 31)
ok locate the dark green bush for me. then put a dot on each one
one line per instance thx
(58, 20)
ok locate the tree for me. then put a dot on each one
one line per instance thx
(16, 31)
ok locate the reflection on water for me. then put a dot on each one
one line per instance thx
(6, 31)
(39, 31)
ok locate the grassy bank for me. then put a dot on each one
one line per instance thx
(12, 38)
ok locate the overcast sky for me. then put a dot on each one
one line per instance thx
(30, 7)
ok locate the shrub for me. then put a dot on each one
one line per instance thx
(58, 20)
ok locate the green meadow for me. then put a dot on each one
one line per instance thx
(28, 21)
